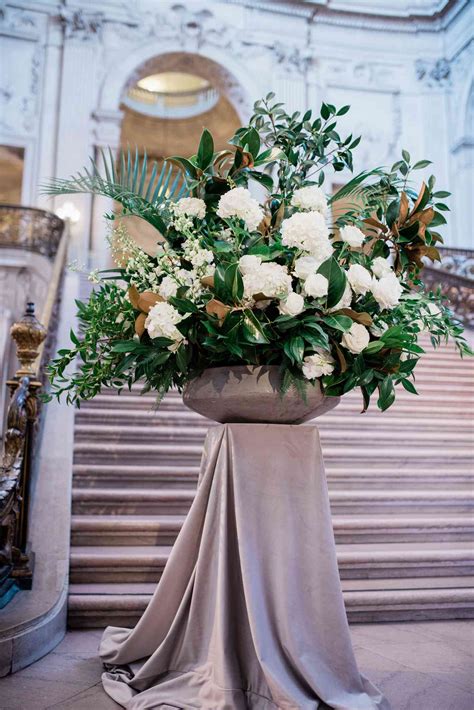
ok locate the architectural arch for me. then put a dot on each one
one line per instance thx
(231, 77)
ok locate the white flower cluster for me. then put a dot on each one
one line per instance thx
(309, 232)
(319, 364)
(198, 256)
(352, 235)
(267, 278)
(191, 207)
(386, 288)
(238, 202)
(310, 199)
(161, 323)
(356, 338)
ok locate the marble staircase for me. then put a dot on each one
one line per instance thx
(401, 491)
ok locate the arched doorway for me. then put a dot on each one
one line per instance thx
(169, 126)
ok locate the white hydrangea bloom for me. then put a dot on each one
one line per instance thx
(310, 199)
(161, 323)
(249, 263)
(359, 278)
(304, 266)
(191, 207)
(292, 305)
(168, 287)
(352, 235)
(387, 291)
(238, 202)
(319, 364)
(271, 279)
(381, 267)
(356, 338)
(309, 232)
(316, 285)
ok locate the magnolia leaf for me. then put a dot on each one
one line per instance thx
(421, 196)
(208, 281)
(426, 216)
(134, 296)
(205, 150)
(140, 324)
(363, 317)
(404, 206)
(253, 329)
(433, 254)
(336, 278)
(340, 356)
(217, 308)
(147, 300)
(375, 223)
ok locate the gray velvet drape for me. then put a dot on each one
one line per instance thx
(249, 611)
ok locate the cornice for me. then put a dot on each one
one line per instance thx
(319, 11)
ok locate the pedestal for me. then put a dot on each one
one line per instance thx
(249, 611)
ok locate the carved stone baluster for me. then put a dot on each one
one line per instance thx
(16, 561)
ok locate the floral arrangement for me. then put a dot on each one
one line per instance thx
(327, 287)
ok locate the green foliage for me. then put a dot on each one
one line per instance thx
(209, 318)
(126, 180)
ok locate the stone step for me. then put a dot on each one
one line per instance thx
(94, 564)
(185, 453)
(184, 417)
(96, 610)
(109, 501)
(163, 529)
(156, 433)
(410, 477)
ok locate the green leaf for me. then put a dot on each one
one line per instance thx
(337, 281)
(342, 323)
(294, 349)
(343, 111)
(409, 386)
(386, 393)
(422, 164)
(252, 328)
(184, 305)
(374, 347)
(251, 140)
(205, 151)
(406, 155)
(234, 282)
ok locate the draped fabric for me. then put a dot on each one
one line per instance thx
(249, 611)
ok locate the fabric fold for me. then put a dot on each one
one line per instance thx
(249, 611)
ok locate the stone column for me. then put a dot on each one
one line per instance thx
(80, 63)
(106, 134)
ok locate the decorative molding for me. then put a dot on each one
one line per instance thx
(19, 105)
(433, 73)
(81, 25)
(18, 22)
(294, 60)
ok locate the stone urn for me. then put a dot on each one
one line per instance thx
(252, 394)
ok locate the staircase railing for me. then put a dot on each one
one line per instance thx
(34, 342)
(455, 278)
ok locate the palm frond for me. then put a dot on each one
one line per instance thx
(125, 179)
(357, 186)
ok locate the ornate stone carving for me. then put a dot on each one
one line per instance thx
(16, 20)
(433, 73)
(294, 60)
(81, 25)
(28, 334)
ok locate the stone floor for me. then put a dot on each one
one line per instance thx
(419, 666)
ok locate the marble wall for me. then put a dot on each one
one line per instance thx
(405, 68)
